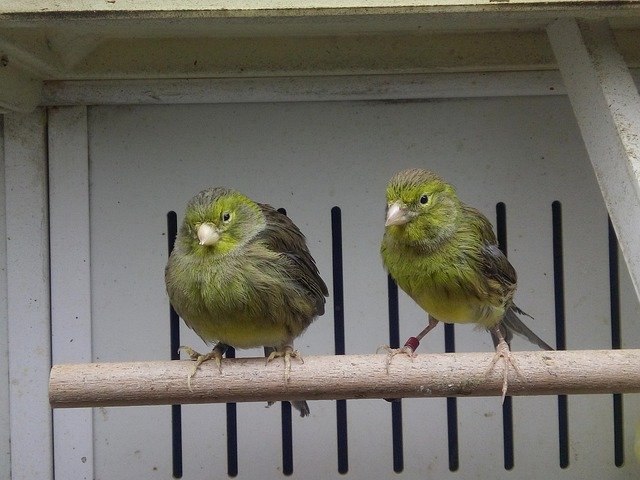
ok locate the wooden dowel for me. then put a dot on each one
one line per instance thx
(340, 377)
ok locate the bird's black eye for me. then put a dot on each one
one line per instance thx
(226, 216)
(424, 198)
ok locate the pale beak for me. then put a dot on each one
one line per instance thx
(208, 234)
(397, 215)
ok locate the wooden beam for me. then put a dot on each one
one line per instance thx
(342, 376)
(302, 89)
(5, 437)
(239, 7)
(70, 278)
(28, 310)
(607, 107)
(19, 92)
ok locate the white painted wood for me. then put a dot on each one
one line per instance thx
(234, 54)
(292, 89)
(18, 91)
(70, 278)
(5, 446)
(35, 57)
(607, 107)
(99, 40)
(28, 295)
(38, 6)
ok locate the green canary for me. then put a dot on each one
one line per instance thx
(241, 275)
(445, 256)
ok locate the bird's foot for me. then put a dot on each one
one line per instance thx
(409, 348)
(392, 352)
(215, 354)
(287, 352)
(503, 352)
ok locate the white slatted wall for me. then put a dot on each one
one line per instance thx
(115, 172)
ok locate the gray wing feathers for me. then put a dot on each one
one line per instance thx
(512, 323)
(283, 236)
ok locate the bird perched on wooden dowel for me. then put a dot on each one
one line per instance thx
(241, 275)
(445, 256)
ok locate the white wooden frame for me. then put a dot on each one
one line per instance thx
(28, 252)
(28, 311)
(5, 444)
(70, 278)
(606, 103)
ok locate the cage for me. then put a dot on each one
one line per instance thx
(117, 114)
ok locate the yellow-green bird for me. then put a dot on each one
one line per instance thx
(241, 275)
(445, 256)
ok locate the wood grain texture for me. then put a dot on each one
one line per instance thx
(606, 103)
(342, 377)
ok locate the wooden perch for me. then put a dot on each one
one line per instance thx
(343, 376)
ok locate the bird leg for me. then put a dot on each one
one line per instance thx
(410, 346)
(503, 352)
(287, 352)
(300, 405)
(215, 354)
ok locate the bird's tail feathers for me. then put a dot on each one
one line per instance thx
(511, 323)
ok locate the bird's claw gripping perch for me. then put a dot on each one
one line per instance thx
(214, 354)
(287, 353)
(503, 352)
(409, 348)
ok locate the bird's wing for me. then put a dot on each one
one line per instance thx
(498, 271)
(283, 236)
(500, 279)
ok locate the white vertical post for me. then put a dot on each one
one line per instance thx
(606, 103)
(70, 278)
(28, 295)
(5, 445)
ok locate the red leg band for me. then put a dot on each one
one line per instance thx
(413, 343)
